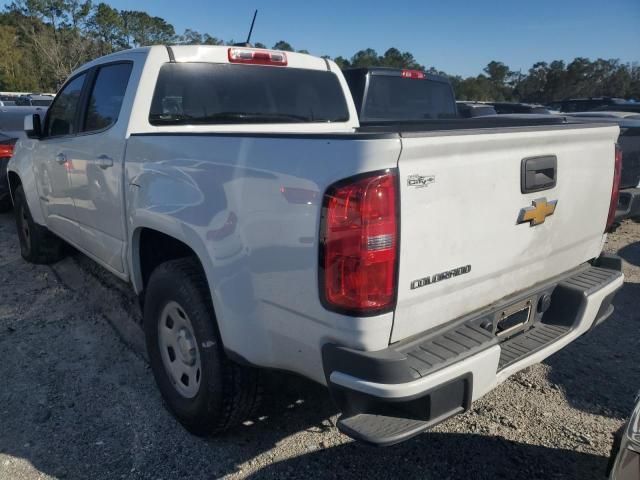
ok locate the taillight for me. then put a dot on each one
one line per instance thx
(413, 74)
(615, 189)
(257, 57)
(6, 150)
(359, 244)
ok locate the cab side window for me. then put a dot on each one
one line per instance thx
(106, 96)
(62, 113)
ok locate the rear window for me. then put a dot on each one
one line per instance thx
(394, 98)
(41, 103)
(210, 94)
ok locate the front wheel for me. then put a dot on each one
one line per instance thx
(202, 387)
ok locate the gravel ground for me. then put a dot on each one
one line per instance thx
(77, 399)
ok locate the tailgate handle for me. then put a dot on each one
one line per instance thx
(538, 173)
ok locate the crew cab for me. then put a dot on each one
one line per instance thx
(408, 266)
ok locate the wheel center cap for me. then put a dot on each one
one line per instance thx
(186, 347)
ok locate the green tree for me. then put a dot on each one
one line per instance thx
(107, 25)
(141, 29)
(396, 59)
(282, 45)
(365, 58)
(53, 33)
(342, 62)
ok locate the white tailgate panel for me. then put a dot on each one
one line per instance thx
(468, 217)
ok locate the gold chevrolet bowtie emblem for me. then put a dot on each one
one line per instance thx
(538, 213)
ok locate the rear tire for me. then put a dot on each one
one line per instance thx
(5, 204)
(37, 243)
(204, 389)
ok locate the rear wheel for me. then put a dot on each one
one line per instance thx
(5, 203)
(202, 387)
(37, 243)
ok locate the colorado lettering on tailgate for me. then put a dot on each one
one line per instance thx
(438, 277)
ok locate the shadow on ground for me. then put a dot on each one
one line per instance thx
(631, 253)
(605, 360)
(441, 456)
(295, 406)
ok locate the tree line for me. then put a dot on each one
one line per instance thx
(42, 41)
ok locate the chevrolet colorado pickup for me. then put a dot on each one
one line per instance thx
(410, 268)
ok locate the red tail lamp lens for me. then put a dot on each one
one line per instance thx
(360, 244)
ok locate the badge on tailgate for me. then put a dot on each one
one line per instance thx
(538, 213)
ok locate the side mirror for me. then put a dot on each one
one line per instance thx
(33, 126)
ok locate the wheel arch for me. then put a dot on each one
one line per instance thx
(21, 172)
(14, 182)
(151, 247)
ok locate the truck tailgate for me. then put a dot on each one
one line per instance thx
(461, 246)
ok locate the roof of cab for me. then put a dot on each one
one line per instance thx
(220, 54)
(393, 71)
(214, 54)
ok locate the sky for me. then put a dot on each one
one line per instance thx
(457, 36)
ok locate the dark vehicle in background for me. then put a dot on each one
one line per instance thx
(608, 114)
(587, 104)
(624, 463)
(7, 143)
(631, 107)
(629, 142)
(514, 107)
(12, 118)
(390, 94)
(34, 100)
(11, 129)
(474, 109)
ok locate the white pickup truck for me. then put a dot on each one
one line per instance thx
(410, 267)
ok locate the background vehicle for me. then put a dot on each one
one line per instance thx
(629, 142)
(474, 109)
(625, 454)
(633, 107)
(11, 129)
(607, 114)
(408, 260)
(513, 107)
(378, 98)
(588, 104)
(34, 100)
(12, 119)
(6, 151)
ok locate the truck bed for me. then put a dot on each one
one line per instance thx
(472, 124)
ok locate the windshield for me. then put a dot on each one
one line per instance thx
(394, 98)
(207, 93)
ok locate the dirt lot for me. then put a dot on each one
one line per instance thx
(77, 399)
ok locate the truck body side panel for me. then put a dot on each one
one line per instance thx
(250, 208)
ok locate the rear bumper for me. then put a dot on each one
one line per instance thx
(391, 395)
(628, 204)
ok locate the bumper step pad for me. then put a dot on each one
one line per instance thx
(386, 430)
(527, 343)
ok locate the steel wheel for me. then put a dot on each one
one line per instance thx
(179, 350)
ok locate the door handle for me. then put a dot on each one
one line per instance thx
(538, 173)
(105, 161)
(61, 158)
